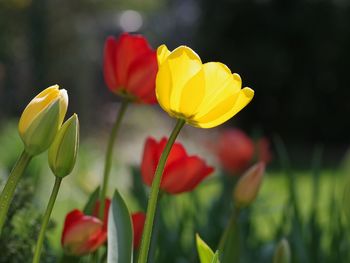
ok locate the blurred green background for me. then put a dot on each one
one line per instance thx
(294, 54)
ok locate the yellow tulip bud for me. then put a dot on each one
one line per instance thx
(248, 185)
(282, 252)
(204, 95)
(42, 118)
(63, 150)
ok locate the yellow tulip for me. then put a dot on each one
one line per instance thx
(42, 118)
(204, 95)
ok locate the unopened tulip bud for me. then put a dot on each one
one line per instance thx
(63, 150)
(282, 252)
(42, 118)
(248, 185)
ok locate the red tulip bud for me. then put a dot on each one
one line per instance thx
(248, 185)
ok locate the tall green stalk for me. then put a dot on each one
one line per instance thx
(40, 241)
(153, 198)
(10, 186)
(109, 155)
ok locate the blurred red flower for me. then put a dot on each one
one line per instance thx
(130, 67)
(83, 234)
(182, 173)
(235, 150)
(138, 222)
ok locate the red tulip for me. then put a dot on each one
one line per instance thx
(235, 150)
(130, 67)
(82, 234)
(182, 173)
(138, 222)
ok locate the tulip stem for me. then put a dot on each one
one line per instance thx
(109, 156)
(153, 197)
(40, 241)
(11, 184)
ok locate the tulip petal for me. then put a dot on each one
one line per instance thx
(235, 150)
(178, 68)
(127, 50)
(141, 77)
(138, 222)
(219, 84)
(184, 64)
(63, 104)
(184, 175)
(162, 54)
(149, 160)
(82, 234)
(189, 103)
(109, 64)
(37, 105)
(226, 109)
(177, 152)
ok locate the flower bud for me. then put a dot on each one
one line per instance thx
(42, 118)
(82, 234)
(248, 185)
(63, 150)
(282, 252)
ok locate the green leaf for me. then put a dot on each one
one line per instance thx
(206, 255)
(89, 206)
(120, 233)
(216, 257)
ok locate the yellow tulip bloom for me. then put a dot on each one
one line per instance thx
(204, 95)
(42, 118)
(40, 103)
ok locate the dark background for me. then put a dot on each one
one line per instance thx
(294, 54)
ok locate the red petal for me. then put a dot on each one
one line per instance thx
(138, 222)
(142, 76)
(109, 64)
(82, 234)
(71, 218)
(177, 152)
(129, 48)
(149, 160)
(184, 175)
(235, 150)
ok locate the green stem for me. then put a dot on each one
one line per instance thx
(231, 224)
(109, 155)
(9, 189)
(46, 218)
(153, 198)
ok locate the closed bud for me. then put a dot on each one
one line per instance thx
(42, 118)
(248, 185)
(63, 150)
(282, 252)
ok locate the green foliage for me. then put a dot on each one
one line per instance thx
(120, 233)
(206, 255)
(19, 235)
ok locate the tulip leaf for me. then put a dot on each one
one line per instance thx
(206, 255)
(89, 206)
(120, 233)
(216, 257)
